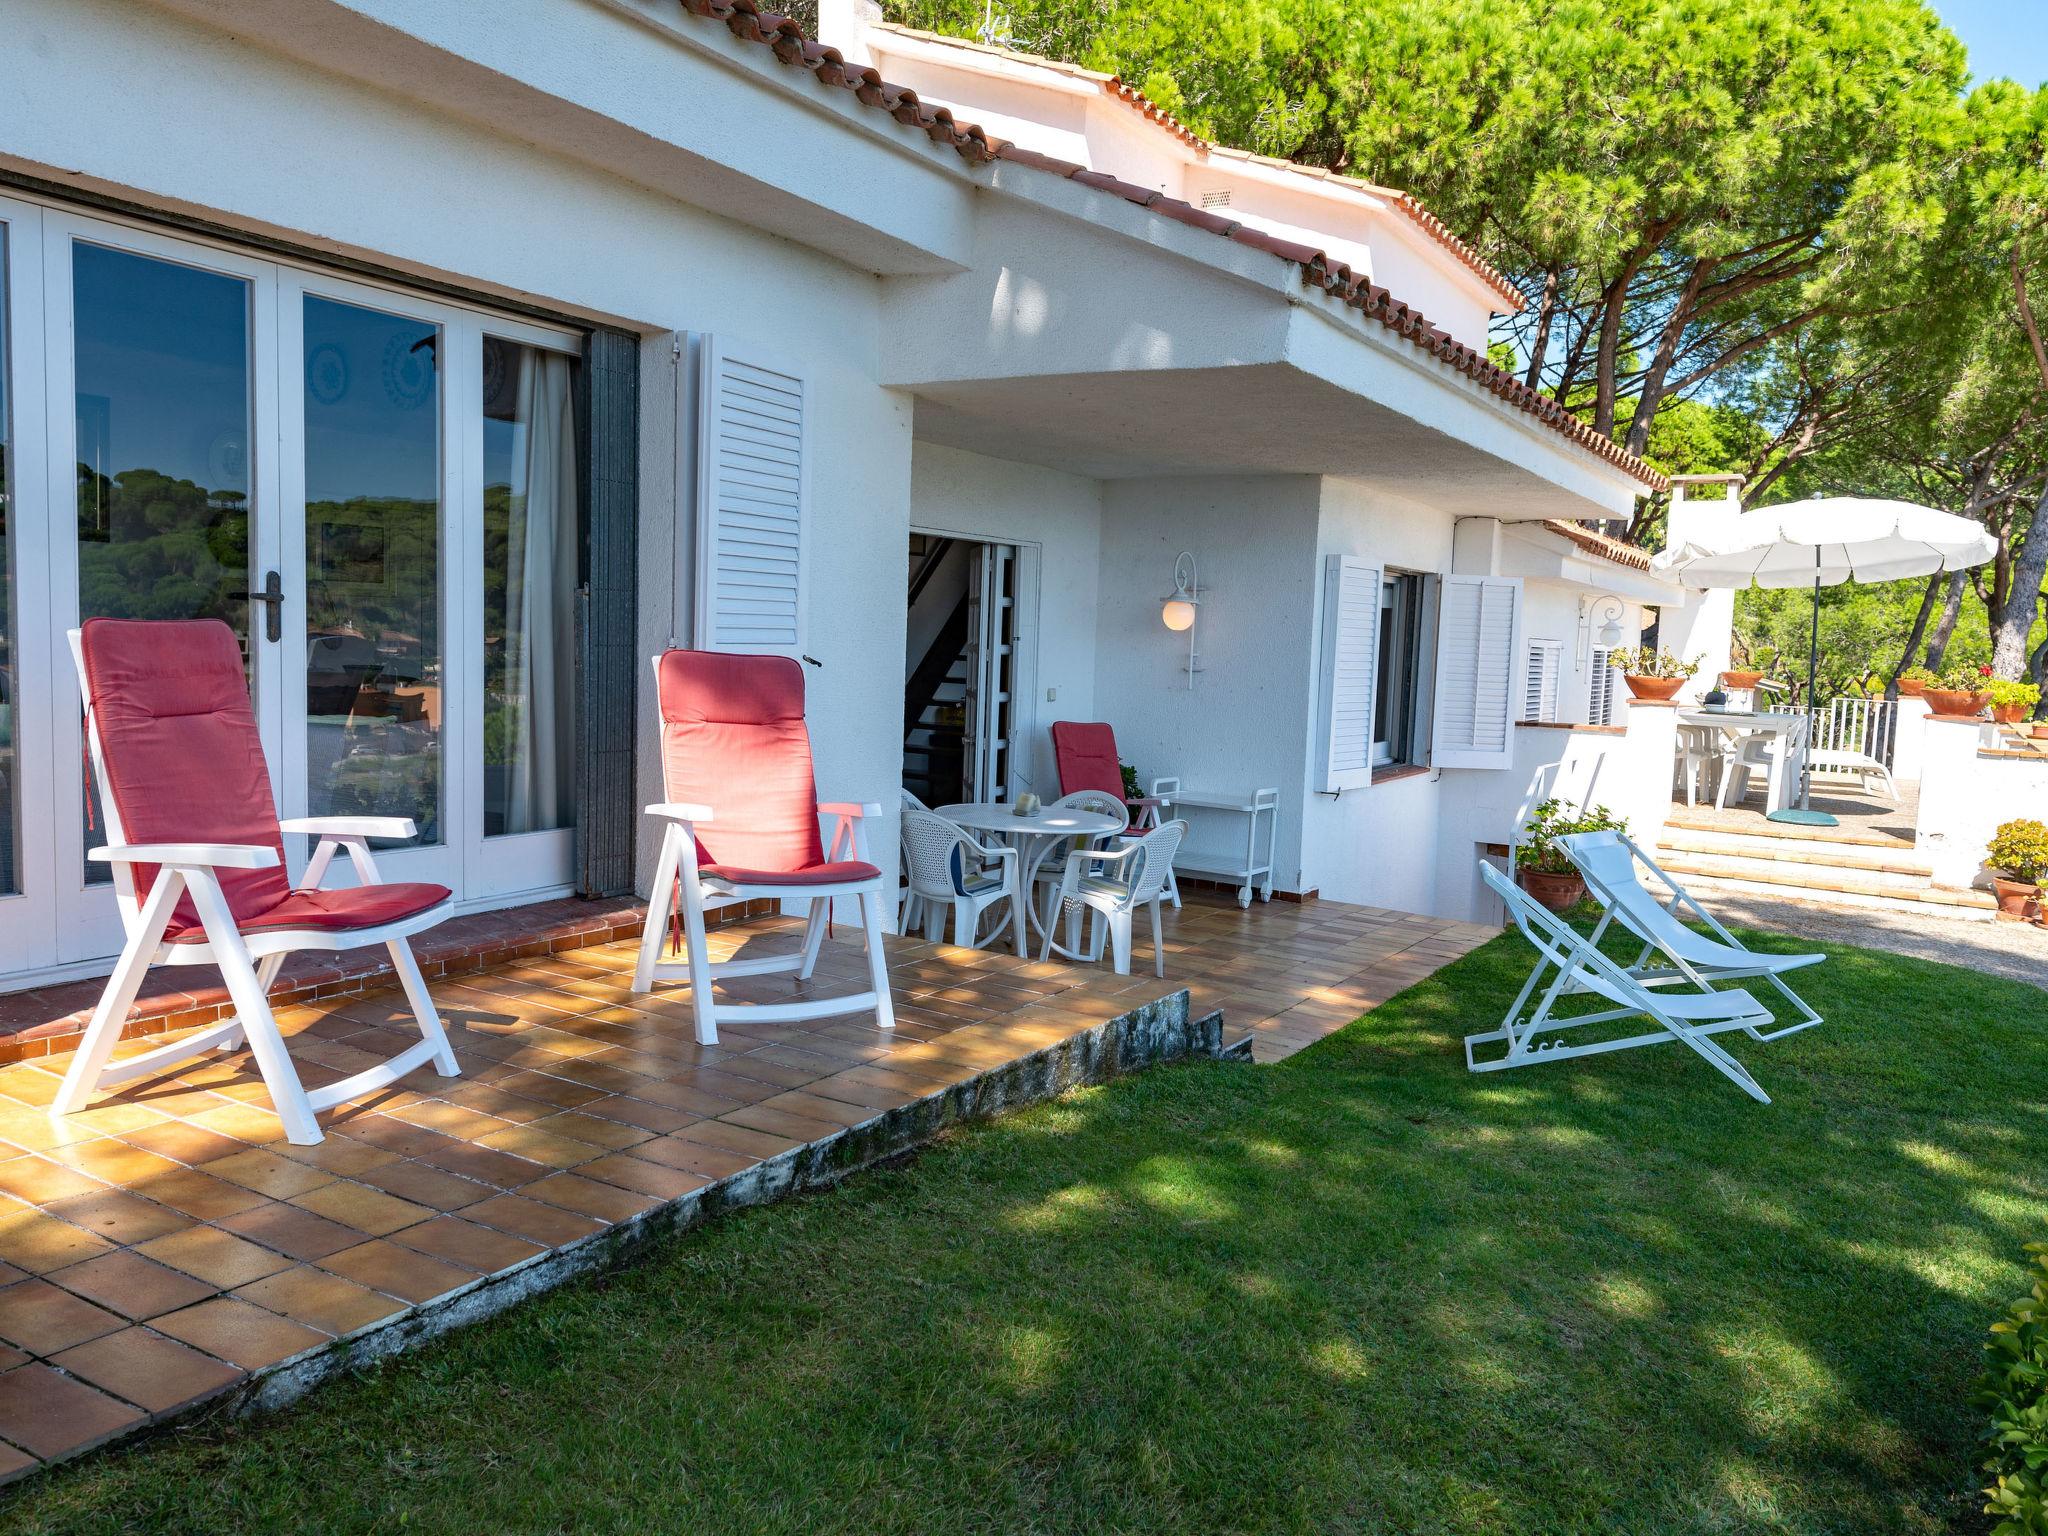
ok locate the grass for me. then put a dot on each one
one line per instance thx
(1358, 1291)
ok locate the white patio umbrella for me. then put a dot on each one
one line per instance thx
(1824, 542)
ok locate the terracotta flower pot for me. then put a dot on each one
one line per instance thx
(2017, 899)
(1554, 891)
(2041, 730)
(1741, 679)
(2008, 714)
(1954, 703)
(1652, 687)
(1911, 688)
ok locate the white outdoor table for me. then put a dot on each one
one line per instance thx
(1033, 836)
(1782, 786)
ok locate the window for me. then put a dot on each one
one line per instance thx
(1539, 693)
(1600, 701)
(750, 508)
(1400, 650)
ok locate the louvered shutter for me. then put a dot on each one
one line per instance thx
(752, 503)
(1539, 692)
(1351, 633)
(1478, 637)
(1600, 706)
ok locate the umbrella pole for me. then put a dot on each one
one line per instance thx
(1812, 689)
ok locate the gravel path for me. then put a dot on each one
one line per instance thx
(2018, 950)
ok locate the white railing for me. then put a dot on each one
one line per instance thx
(1869, 726)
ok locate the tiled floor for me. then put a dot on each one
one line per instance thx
(167, 1243)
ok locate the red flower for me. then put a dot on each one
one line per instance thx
(1984, 671)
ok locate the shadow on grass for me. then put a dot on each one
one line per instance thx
(1362, 1290)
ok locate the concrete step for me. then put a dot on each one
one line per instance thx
(1779, 831)
(1896, 859)
(1758, 877)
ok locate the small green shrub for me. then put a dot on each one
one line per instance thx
(1131, 790)
(1648, 661)
(1554, 819)
(2005, 691)
(2020, 850)
(2014, 1391)
(1927, 677)
(1965, 679)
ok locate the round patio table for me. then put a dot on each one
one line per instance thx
(1033, 836)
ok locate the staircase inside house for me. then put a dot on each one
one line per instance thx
(958, 673)
(1843, 865)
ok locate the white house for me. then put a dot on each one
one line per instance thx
(464, 356)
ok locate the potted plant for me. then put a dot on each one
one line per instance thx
(2011, 702)
(1960, 694)
(2018, 856)
(1543, 868)
(1916, 680)
(1651, 673)
(1735, 678)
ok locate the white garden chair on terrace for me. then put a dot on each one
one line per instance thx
(1111, 884)
(950, 871)
(1608, 861)
(199, 877)
(1097, 802)
(1575, 968)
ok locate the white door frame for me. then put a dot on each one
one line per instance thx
(1021, 764)
(59, 926)
(88, 926)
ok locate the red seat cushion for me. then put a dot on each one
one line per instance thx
(1085, 752)
(845, 871)
(733, 738)
(362, 906)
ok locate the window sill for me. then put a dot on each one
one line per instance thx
(1393, 771)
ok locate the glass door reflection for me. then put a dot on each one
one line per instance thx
(161, 401)
(374, 662)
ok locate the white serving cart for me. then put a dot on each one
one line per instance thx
(1250, 871)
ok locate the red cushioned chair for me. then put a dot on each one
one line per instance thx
(741, 824)
(1084, 751)
(198, 856)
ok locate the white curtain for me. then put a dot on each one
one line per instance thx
(540, 608)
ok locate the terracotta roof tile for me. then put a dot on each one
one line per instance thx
(747, 21)
(1594, 542)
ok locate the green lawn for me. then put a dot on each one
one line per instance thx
(1359, 1291)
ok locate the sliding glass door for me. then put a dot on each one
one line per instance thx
(375, 491)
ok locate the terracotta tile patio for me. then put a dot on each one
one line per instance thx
(167, 1245)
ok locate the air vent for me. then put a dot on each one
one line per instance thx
(1219, 198)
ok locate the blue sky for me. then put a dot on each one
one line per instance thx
(2005, 37)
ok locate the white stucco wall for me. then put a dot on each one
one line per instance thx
(1374, 845)
(1057, 518)
(1240, 726)
(1550, 611)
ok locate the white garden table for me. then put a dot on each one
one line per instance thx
(1033, 836)
(1790, 730)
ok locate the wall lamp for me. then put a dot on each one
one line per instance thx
(1177, 613)
(1590, 608)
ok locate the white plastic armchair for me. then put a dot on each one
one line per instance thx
(1112, 884)
(951, 871)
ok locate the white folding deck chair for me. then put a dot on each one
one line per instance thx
(1576, 968)
(1608, 861)
(180, 771)
(741, 824)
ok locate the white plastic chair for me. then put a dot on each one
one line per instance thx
(950, 871)
(909, 905)
(1576, 968)
(1112, 883)
(1608, 861)
(1699, 751)
(1047, 876)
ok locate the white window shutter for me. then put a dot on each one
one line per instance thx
(1540, 687)
(753, 483)
(1600, 705)
(1478, 637)
(1351, 637)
